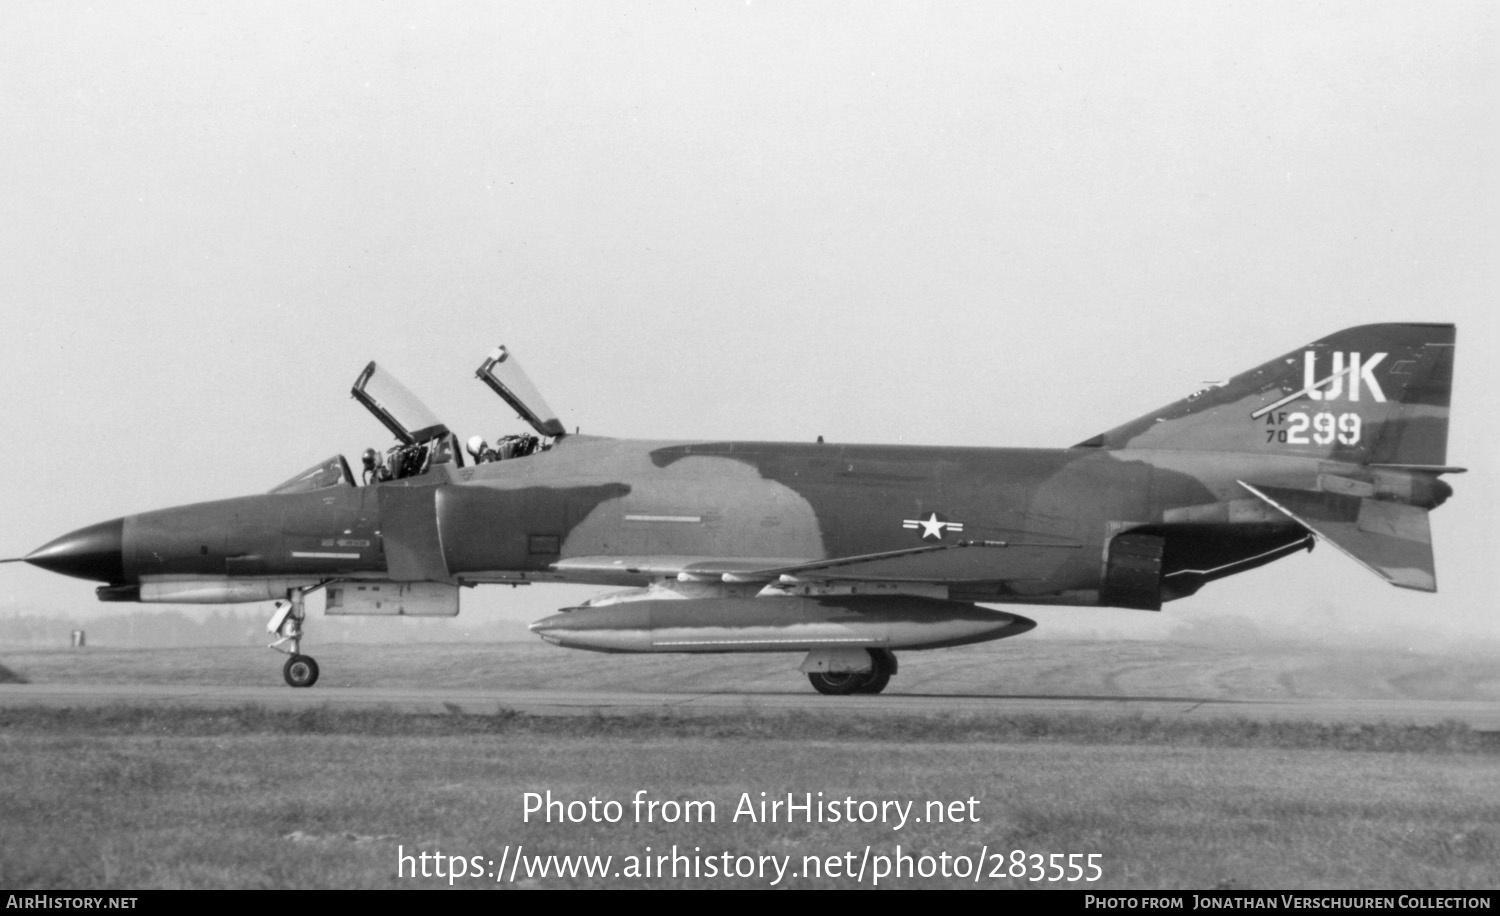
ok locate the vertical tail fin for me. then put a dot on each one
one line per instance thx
(1376, 394)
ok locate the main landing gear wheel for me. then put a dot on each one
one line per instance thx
(837, 683)
(843, 683)
(300, 671)
(875, 681)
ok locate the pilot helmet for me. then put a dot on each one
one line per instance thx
(475, 445)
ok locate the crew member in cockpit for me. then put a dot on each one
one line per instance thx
(373, 467)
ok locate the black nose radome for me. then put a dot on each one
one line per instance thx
(95, 552)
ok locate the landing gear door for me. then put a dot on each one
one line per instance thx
(504, 375)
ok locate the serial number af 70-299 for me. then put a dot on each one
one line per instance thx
(1298, 428)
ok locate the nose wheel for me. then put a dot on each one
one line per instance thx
(300, 670)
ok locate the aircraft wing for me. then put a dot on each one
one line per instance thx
(889, 566)
(1392, 540)
(686, 568)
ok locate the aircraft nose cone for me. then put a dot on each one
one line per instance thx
(95, 552)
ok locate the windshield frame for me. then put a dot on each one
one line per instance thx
(330, 472)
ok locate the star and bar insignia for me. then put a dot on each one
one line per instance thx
(933, 526)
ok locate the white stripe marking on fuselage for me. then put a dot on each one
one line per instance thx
(687, 519)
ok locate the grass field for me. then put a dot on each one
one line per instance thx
(144, 798)
(123, 797)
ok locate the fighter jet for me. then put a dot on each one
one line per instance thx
(847, 553)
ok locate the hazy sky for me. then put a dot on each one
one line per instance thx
(983, 224)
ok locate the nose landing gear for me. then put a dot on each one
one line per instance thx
(300, 670)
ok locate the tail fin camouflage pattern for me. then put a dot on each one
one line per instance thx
(1376, 395)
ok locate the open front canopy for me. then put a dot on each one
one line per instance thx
(396, 407)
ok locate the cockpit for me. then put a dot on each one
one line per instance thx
(424, 442)
(502, 373)
(422, 439)
(513, 446)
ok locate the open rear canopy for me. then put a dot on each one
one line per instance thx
(502, 372)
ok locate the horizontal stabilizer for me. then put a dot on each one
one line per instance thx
(1392, 540)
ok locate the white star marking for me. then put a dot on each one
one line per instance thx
(931, 527)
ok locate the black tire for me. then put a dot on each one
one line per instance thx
(874, 680)
(882, 666)
(300, 671)
(837, 684)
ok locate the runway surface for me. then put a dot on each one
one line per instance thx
(1480, 715)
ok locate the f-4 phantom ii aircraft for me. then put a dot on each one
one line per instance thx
(847, 553)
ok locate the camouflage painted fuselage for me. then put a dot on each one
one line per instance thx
(1034, 523)
(847, 551)
(1020, 525)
